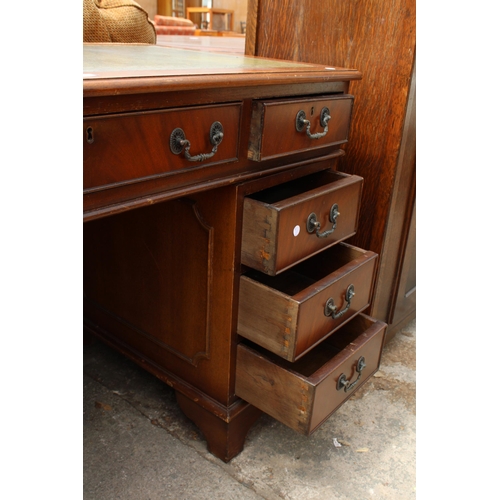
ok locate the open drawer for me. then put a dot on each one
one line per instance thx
(290, 313)
(304, 394)
(287, 223)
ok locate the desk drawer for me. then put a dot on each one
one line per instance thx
(289, 314)
(304, 394)
(278, 127)
(128, 147)
(277, 222)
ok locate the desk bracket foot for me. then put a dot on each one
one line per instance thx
(225, 436)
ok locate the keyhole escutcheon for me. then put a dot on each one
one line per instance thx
(90, 135)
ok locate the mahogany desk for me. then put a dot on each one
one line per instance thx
(214, 233)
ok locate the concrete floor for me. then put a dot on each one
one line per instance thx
(138, 445)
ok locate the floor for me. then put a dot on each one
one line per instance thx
(139, 446)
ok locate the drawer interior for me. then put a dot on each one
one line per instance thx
(297, 186)
(315, 359)
(307, 273)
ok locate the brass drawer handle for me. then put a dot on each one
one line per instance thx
(313, 225)
(301, 122)
(343, 383)
(331, 308)
(178, 142)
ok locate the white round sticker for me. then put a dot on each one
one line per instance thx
(296, 230)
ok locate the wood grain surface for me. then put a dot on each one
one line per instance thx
(379, 40)
(303, 394)
(286, 314)
(275, 235)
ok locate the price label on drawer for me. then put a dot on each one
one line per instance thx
(296, 230)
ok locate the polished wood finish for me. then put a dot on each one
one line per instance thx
(303, 394)
(286, 314)
(275, 235)
(113, 89)
(132, 261)
(114, 70)
(141, 143)
(225, 436)
(272, 117)
(163, 237)
(378, 38)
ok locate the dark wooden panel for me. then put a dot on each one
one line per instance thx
(399, 240)
(160, 280)
(130, 267)
(274, 130)
(131, 147)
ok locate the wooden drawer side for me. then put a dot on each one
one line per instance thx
(286, 396)
(260, 223)
(267, 317)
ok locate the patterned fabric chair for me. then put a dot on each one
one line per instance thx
(116, 21)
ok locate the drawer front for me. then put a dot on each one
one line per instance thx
(279, 128)
(290, 313)
(125, 148)
(278, 229)
(302, 395)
